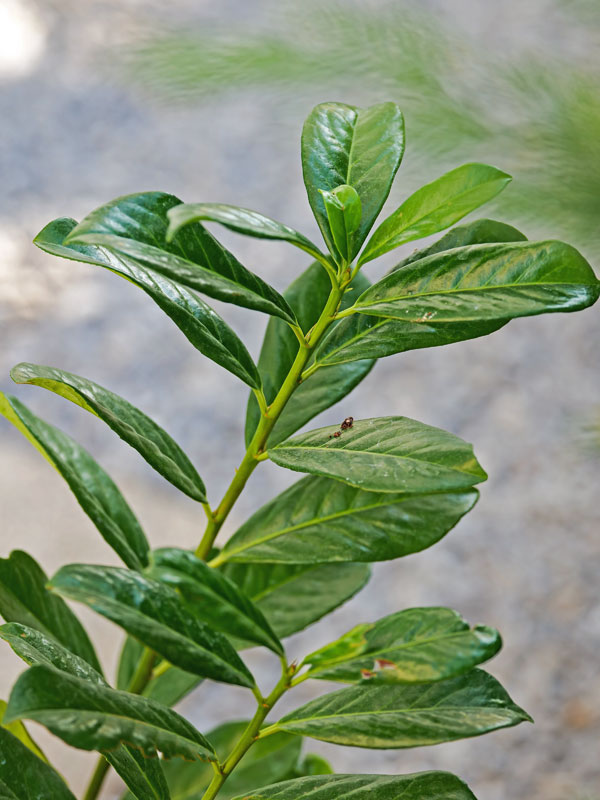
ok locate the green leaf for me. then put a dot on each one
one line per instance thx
(485, 283)
(436, 206)
(128, 422)
(318, 520)
(95, 491)
(312, 764)
(269, 760)
(168, 688)
(360, 147)
(157, 616)
(136, 226)
(344, 211)
(214, 598)
(418, 645)
(20, 732)
(307, 295)
(144, 776)
(293, 596)
(418, 786)
(24, 776)
(241, 220)
(204, 328)
(94, 717)
(385, 454)
(24, 599)
(409, 715)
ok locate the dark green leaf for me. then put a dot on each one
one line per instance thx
(384, 454)
(361, 147)
(419, 786)
(269, 760)
(344, 211)
(157, 616)
(95, 491)
(143, 775)
(485, 283)
(436, 206)
(94, 717)
(318, 520)
(418, 645)
(134, 427)
(198, 322)
(25, 599)
(24, 776)
(409, 715)
(307, 295)
(214, 598)
(293, 596)
(241, 220)
(20, 732)
(136, 226)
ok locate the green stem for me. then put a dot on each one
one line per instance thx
(137, 684)
(255, 451)
(250, 735)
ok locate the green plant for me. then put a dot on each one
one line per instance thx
(376, 489)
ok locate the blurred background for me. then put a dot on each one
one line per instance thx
(206, 100)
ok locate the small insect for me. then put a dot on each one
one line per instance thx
(347, 423)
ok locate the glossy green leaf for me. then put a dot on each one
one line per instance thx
(24, 776)
(25, 599)
(202, 326)
(214, 598)
(269, 760)
(436, 206)
(293, 596)
(241, 220)
(409, 715)
(157, 616)
(384, 454)
(360, 147)
(419, 786)
(136, 226)
(168, 688)
(94, 717)
(344, 211)
(418, 645)
(481, 231)
(485, 283)
(318, 520)
(143, 775)
(307, 295)
(95, 491)
(149, 439)
(20, 732)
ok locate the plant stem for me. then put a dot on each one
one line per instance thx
(255, 451)
(249, 736)
(137, 684)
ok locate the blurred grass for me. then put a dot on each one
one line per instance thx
(534, 112)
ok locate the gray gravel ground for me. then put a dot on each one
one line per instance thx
(526, 560)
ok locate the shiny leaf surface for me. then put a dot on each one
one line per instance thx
(293, 596)
(360, 147)
(95, 491)
(157, 616)
(436, 206)
(241, 220)
(149, 439)
(418, 645)
(419, 786)
(144, 776)
(203, 328)
(94, 717)
(409, 715)
(25, 599)
(214, 598)
(343, 208)
(24, 776)
(307, 295)
(136, 226)
(319, 520)
(385, 454)
(485, 283)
